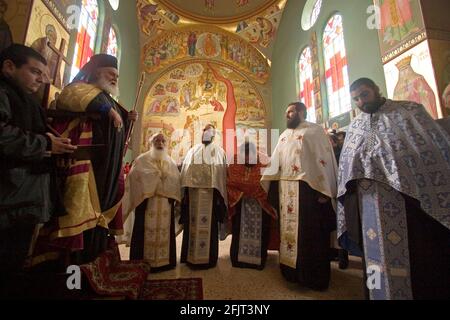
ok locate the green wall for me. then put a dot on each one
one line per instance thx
(363, 53)
(126, 23)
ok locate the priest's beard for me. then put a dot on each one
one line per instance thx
(372, 107)
(293, 122)
(105, 85)
(157, 154)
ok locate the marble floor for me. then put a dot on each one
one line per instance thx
(227, 283)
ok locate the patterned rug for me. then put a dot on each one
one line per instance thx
(110, 277)
(174, 289)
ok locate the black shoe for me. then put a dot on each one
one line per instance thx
(343, 259)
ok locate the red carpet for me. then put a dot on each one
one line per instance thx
(111, 277)
(175, 289)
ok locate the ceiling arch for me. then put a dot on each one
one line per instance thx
(218, 11)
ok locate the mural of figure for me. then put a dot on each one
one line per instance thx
(241, 26)
(172, 106)
(216, 104)
(156, 59)
(412, 86)
(40, 45)
(6, 38)
(266, 31)
(241, 3)
(192, 42)
(156, 107)
(209, 5)
(209, 46)
(159, 90)
(149, 18)
(397, 20)
(224, 46)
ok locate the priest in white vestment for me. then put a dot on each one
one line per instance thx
(204, 179)
(152, 190)
(302, 176)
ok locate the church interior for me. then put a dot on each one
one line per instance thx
(237, 64)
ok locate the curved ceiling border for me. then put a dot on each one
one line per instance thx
(216, 20)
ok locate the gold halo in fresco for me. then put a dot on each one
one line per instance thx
(217, 11)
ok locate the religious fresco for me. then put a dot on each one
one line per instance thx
(45, 27)
(14, 15)
(195, 42)
(402, 26)
(262, 29)
(411, 77)
(217, 11)
(259, 28)
(193, 93)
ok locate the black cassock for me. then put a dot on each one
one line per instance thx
(218, 214)
(316, 222)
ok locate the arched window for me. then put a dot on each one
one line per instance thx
(316, 11)
(336, 70)
(113, 47)
(306, 93)
(87, 31)
(311, 12)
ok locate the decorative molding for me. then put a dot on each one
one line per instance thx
(404, 47)
(214, 19)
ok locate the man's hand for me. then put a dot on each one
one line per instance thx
(116, 118)
(133, 115)
(60, 145)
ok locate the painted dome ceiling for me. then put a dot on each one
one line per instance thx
(255, 21)
(218, 11)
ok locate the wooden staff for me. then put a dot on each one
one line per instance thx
(130, 128)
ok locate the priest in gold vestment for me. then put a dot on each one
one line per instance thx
(152, 190)
(93, 185)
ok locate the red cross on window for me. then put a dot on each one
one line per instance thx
(337, 64)
(305, 95)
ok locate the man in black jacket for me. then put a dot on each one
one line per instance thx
(25, 151)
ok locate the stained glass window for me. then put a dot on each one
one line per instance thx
(336, 68)
(315, 11)
(306, 93)
(311, 12)
(112, 43)
(87, 30)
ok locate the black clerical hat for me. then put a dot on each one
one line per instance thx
(97, 61)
